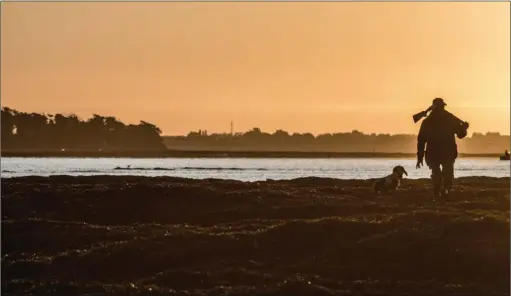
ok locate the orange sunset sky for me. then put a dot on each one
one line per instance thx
(301, 67)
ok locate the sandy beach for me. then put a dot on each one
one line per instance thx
(105, 235)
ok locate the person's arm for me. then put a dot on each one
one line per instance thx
(422, 139)
(462, 132)
(460, 127)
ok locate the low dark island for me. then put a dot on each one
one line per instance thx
(103, 235)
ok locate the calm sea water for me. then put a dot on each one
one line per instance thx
(245, 169)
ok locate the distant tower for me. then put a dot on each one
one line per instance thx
(232, 128)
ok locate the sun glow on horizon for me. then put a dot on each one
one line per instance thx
(299, 67)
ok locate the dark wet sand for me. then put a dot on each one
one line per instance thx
(170, 236)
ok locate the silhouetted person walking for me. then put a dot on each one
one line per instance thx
(436, 134)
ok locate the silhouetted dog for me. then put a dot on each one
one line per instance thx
(391, 182)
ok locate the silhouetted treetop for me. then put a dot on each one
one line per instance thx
(355, 141)
(35, 131)
(22, 130)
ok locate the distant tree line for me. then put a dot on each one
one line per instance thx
(354, 141)
(34, 131)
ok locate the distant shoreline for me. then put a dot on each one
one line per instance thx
(223, 154)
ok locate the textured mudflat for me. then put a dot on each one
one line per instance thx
(106, 235)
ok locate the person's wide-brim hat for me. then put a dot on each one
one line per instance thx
(439, 102)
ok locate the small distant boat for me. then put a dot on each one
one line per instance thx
(121, 168)
(505, 156)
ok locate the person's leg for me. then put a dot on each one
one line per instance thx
(436, 177)
(447, 175)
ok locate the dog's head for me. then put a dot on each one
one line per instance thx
(399, 170)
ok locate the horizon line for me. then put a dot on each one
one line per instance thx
(325, 133)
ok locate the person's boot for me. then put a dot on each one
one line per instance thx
(445, 194)
(446, 191)
(437, 185)
(447, 184)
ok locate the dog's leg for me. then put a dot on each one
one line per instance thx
(377, 187)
